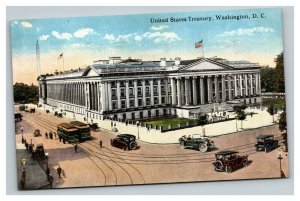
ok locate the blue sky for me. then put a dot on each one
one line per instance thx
(86, 39)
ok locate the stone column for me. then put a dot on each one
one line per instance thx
(103, 104)
(178, 92)
(118, 95)
(186, 86)
(173, 91)
(159, 91)
(106, 96)
(246, 84)
(259, 84)
(96, 97)
(135, 93)
(202, 91)
(109, 95)
(194, 91)
(209, 89)
(223, 89)
(92, 95)
(167, 91)
(86, 102)
(151, 92)
(251, 85)
(217, 92)
(235, 87)
(144, 92)
(229, 87)
(241, 85)
(127, 94)
(182, 87)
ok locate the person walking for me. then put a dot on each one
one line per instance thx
(100, 143)
(51, 135)
(59, 170)
(75, 147)
(46, 135)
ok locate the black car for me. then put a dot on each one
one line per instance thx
(229, 160)
(124, 141)
(266, 143)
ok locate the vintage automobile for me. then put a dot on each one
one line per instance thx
(203, 144)
(37, 133)
(266, 143)
(40, 152)
(93, 126)
(124, 141)
(229, 160)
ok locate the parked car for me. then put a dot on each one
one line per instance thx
(202, 144)
(229, 160)
(37, 133)
(40, 152)
(266, 143)
(124, 141)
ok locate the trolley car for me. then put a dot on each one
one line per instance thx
(84, 130)
(68, 132)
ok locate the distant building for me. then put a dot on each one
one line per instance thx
(136, 89)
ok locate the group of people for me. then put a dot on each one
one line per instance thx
(60, 173)
(51, 135)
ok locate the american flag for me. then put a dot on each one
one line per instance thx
(199, 44)
(61, 56)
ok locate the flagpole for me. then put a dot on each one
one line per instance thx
(202, 49)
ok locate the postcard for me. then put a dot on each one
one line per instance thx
(148, 99)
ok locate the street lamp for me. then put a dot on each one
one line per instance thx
(22, 129)
(281, 172)
(137, 123)
(236, 123)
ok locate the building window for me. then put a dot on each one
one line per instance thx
(131, 91)
(132, 116)
(147, 101)
(139, 91)
(155, 89)
(139, 82)
(170, 89)
(123, 104)
(147, 91)
(122, 83)
(155, 100)
(122, 92)
(130, 82)
(140, 102)
(163, 100)
(113, 92)
(114, 105)
(113, 84)
(131, 103)
(163, 89)
(147, 82)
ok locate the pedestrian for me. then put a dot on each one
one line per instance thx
(115, 124)
(26, 145)
(100, 143)
(126, 122)
(50, 180)
(63, 173)
(22, 183)
(46, 134)
(48, 173)
(59, 171)
(54, 135)
(75, 147)
(32, 155)
(111, 123)
(59, 138)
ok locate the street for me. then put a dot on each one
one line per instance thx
(150, 163)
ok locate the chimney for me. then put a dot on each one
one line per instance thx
(163, 62)
(177, 61)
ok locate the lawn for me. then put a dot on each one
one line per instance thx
(173, 121)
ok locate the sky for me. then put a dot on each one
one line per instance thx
(86, 39)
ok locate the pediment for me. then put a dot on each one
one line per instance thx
(90, 72)
(205, 65)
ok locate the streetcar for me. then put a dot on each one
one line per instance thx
(68, 132)
(84, 130)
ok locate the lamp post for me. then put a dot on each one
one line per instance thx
(281, 172)
(138, 123)
(22, 129)
(236, 123)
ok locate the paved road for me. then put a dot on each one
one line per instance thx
(151, 163)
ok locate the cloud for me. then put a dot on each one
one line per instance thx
(243, 32)
(44, 37)
(138, 38)
(77, 45)
(162, 36)
(62, 36)
(159, 28)
(124, 37)
(26, 24)
(81, 33)
(109, 37)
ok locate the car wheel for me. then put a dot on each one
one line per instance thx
(228, 169)
(203, 147)
(132, 145)
(218, 166)
(245, 163)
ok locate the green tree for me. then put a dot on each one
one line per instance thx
(268, 79)
(272, 110)
(201, 120)
(240, 115)
(279, 69)
(24, 93)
